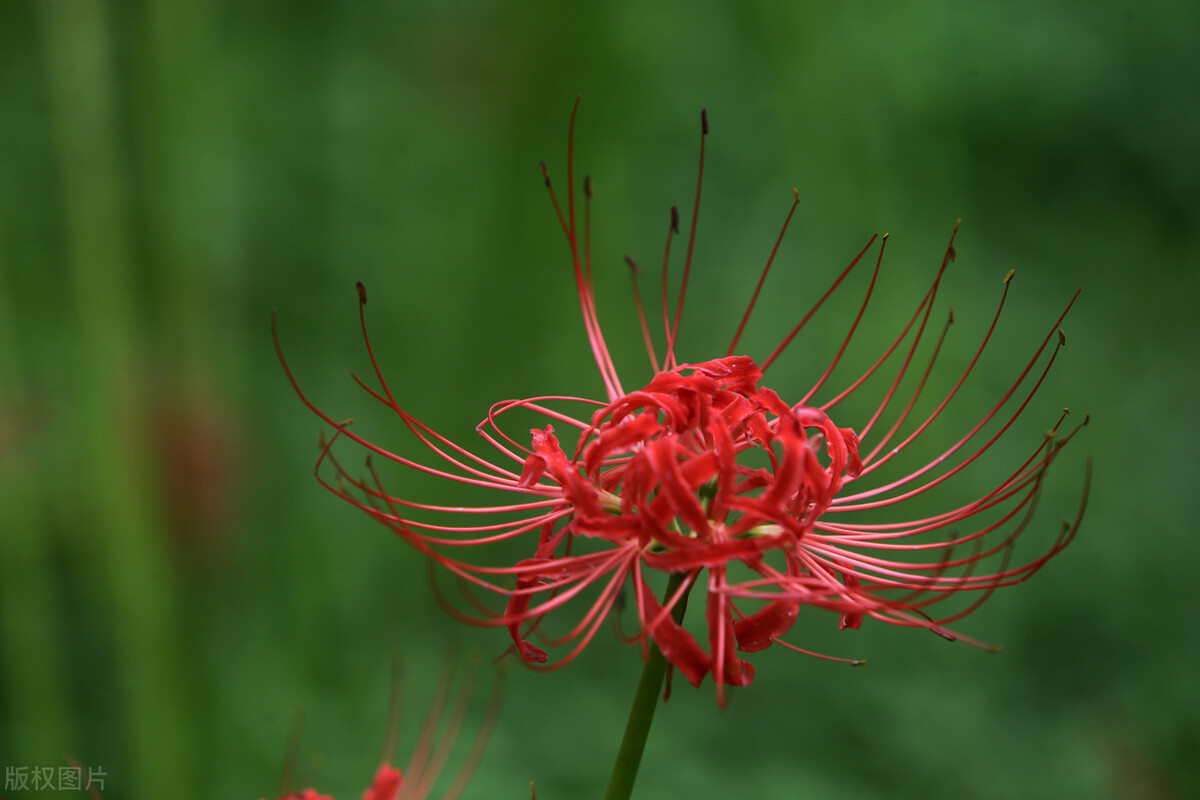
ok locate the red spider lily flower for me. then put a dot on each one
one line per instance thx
(416, 781)
(709, 477)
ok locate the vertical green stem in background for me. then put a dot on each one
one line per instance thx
(32, 670)
(641, 715)
(115, 523)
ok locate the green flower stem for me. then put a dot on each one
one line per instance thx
(637, 729)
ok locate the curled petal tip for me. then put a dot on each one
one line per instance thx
(531, 652)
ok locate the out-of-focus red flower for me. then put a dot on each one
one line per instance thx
(432, 752)
(307, 794)
(707, 475)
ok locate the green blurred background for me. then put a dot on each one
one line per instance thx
(174, 587)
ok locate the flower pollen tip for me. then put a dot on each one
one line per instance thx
(796, 194)
(957, 224)
(1066, 410)
(362, 293)
(951, 253)
(1062, 337)
(704, 121)
(1087, 418)
(860, 662)
(589, 188)
(1009, 276)
(632, 265)
(994, 648)
(951, 315)
(883, 238)
(545, 172)
(675, 219)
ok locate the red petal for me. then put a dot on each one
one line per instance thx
(756, 631)
(677, 645)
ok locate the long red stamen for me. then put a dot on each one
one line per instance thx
(670, 361)
(672, 230)
(853, 326)
(634, 272)
(788, 339)
(587, 298)
(922, 313)
(848, 502)
(761, 278)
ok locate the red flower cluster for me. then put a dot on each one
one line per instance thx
(661, 484)
(711, 478)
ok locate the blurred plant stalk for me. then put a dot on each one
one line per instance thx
(116, 520)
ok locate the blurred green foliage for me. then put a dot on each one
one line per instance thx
(173, 585)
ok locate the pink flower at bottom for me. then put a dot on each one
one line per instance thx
(433, 750)
(307, 794)
(707, 475)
